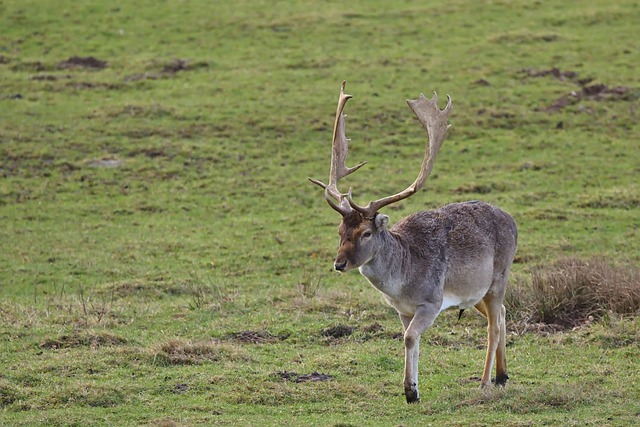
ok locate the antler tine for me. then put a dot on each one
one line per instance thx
(340, 149)
(435, 123)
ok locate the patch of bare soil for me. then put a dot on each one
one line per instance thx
(50, 77)
(302, 378)
(176, 66)
(482, 82)
(180, 388)
(373, 328)
(93, 85)
(257, 337)
(338, 331)
(553, 72)
(82, 339)
(152, 152)
(12, 96)
(87, 62)
(168, 70)
(596, 92)
(474, 188)
(181, 352)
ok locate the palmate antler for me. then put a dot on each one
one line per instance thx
(434, 121)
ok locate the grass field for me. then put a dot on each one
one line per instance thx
(166, 262)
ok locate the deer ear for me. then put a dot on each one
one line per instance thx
(381, 221)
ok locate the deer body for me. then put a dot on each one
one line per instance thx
(433, 257)
(458, 256)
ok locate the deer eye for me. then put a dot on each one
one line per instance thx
(366, 234)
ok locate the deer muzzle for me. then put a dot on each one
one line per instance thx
(340, 265)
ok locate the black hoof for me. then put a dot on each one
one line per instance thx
(501, 379)
(412, 396)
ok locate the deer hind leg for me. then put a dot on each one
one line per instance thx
(413, 329)
(501, 352)
(494, 311)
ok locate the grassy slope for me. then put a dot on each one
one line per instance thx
(209, 228)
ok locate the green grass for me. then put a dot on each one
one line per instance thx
(179, 284)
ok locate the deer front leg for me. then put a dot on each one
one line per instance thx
(414, 327)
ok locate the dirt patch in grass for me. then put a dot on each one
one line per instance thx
(180, 388)
(524, 37)
(593, 92)
(373, 328)
(168, 70)
(482, 82)
(147, 111)
(596, 92)
(473, 188)
(341, 333)
(627, 198)
(49, 77)
(83, 339)
(256, 337)
(87, 62)
(302, 378)
(94, 85)
(150, 152)
(181, 352)
(338, 331)
(553, 72)
(8, 393)
(178, 65)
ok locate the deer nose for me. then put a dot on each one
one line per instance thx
(340, 265)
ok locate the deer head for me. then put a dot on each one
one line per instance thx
(361, 226)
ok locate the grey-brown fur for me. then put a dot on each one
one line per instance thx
(428, 255)
(458, 256)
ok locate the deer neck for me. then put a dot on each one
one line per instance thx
(384, 269)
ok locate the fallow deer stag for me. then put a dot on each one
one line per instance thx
(458, 256)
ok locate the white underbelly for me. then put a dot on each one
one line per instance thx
(454, 301)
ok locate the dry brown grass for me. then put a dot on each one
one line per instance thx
(182, 352)
(573, 291)
(89, 338)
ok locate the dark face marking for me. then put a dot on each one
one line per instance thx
(355, 236)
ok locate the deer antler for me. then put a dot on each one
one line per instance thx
(435, 122)
(338, 157)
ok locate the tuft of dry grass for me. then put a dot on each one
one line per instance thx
(8, 393)
(573, 291)
(182, 352)
(93, 339)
